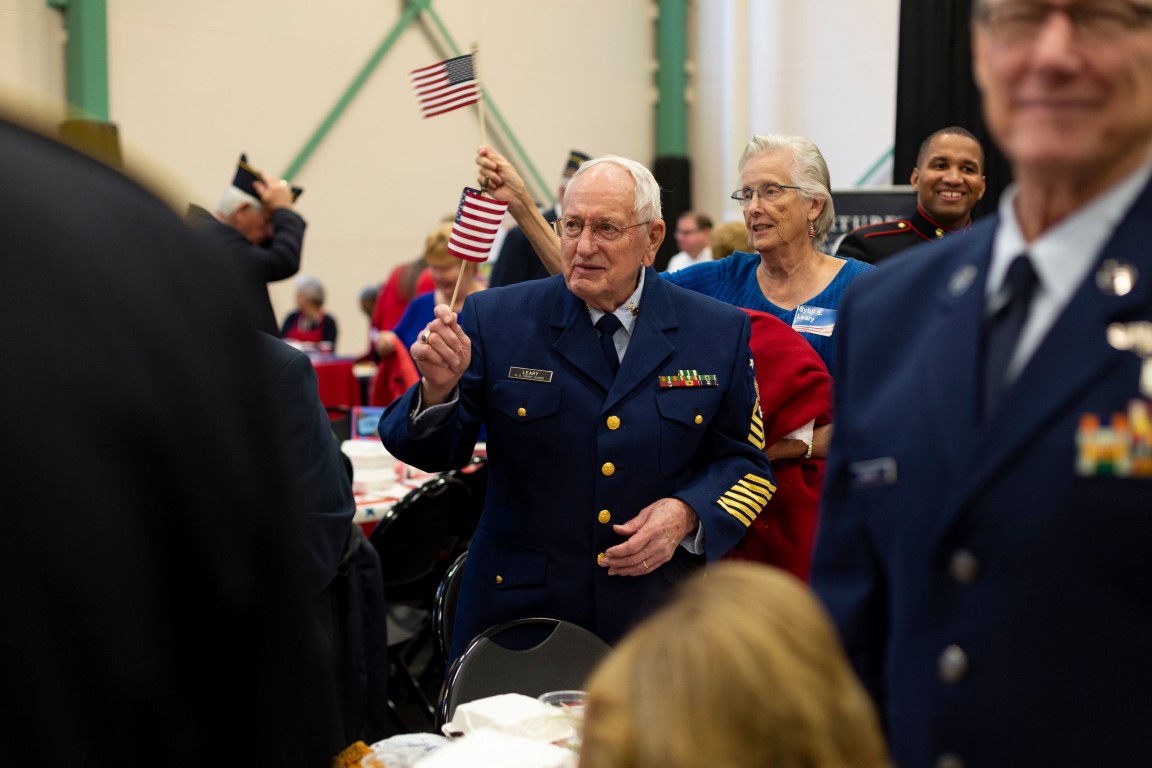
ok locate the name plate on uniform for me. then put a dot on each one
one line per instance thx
(530, 374)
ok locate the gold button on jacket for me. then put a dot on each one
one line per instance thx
(608, 469)
(613, 422)
(604, 516)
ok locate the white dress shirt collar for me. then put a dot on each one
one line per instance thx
(1061, 256)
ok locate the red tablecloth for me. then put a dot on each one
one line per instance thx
(337, 382)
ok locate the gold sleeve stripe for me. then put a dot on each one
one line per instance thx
(756, 429)
(747, 498)
(754, 493)
(754, 503)
(752, 506)
(741, 510)
(764, 485)
(736, 513)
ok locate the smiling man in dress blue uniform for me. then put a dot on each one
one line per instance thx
(987, 524)
(949, 181)
(606, 486)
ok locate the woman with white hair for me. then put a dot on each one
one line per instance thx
(309, 325)
(787, 204)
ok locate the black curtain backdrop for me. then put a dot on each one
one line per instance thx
(674, 175)
(935, 89)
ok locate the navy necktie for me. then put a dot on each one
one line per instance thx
(1002, 331)
(608, 325)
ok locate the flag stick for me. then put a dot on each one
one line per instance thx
(480, 107)
(483, 140)
(480, 91)
(459, 279)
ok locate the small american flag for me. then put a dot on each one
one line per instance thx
(477, 222)
(446, 86)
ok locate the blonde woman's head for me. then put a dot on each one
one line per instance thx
(742, 669)
(443, 266)
(728, 237)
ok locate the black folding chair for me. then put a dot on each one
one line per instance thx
(563, 660)
(444, 610)
(417, 540)
(474, 475)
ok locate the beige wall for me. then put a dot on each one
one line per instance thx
(192, 84)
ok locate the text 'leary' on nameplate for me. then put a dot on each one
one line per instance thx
(530, 374)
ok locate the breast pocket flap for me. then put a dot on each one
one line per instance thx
(509, 564)
(525, 401)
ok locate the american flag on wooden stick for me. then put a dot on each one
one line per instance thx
(475, 227)
(446, 86)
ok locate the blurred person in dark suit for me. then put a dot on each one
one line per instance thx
(155, 608)
(342, 571)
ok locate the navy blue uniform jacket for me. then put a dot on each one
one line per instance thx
(997, 604)
(573, 451)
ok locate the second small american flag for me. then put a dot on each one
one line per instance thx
(476, 224)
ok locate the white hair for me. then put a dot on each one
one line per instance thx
(233, 198)
(311, 288)
(809, 172)
(646, 203)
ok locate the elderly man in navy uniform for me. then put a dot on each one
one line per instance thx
(624, 433)
(987, 517)
(949, 181)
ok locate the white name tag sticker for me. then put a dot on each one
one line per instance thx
(819, 321)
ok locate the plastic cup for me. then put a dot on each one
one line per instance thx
(568, 706)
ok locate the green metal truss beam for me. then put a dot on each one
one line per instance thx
(86, 56)
(412, 10)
